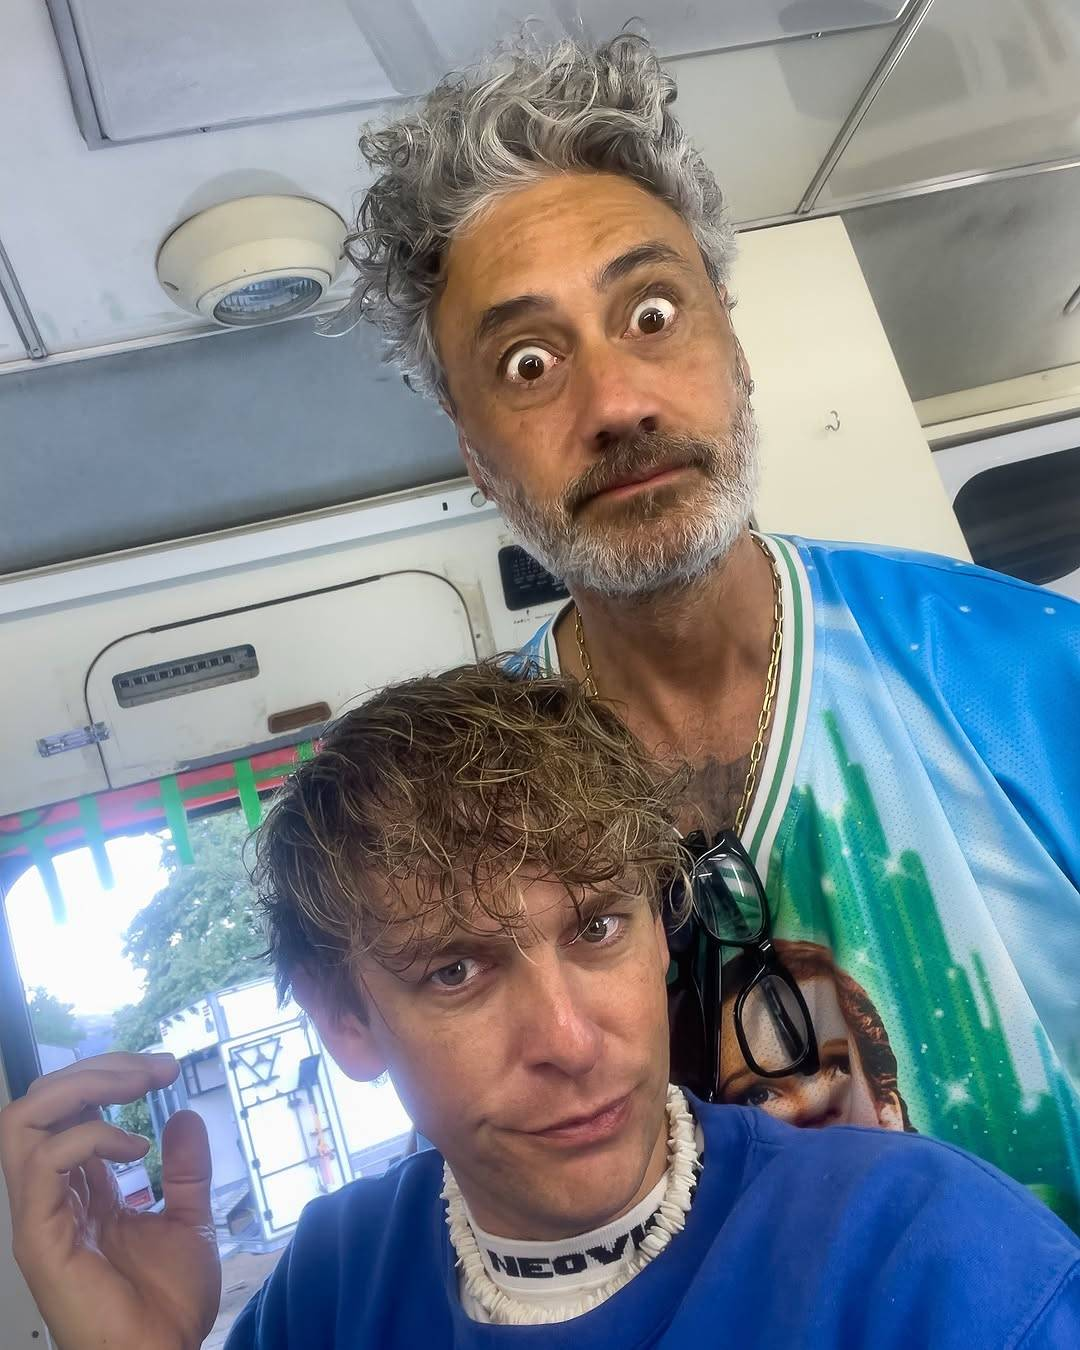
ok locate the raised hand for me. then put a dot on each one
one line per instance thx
(103, 1275)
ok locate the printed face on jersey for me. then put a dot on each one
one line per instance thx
(536, 1062)
(856, 1083)
(600, 394)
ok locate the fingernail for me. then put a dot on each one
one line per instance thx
(163, 1056)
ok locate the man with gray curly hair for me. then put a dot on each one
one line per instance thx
(470, 205)
(548, 256)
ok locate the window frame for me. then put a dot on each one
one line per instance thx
(18, 1048)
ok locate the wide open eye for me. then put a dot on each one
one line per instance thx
(526, 365)
(651, 315)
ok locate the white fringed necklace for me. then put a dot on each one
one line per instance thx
(669, 1219)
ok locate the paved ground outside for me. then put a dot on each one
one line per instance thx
(241, 1275)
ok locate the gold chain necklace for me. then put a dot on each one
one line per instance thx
(765, 716)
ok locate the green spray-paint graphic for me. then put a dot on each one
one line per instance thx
(840, 885)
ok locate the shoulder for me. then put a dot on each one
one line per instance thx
(918, 1228)
(395, 1219)
(368, 1211)
(956, 633)
(870, 576)
(539, 654)
(926, 1183)
(905, 1173)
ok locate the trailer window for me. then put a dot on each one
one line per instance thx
(1023, 519)
(169, 957)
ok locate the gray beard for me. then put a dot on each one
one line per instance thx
(656, 545)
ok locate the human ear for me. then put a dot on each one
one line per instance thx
(344, 1032)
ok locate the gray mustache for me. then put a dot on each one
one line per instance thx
(638, 455)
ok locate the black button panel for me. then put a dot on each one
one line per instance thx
(525, 583)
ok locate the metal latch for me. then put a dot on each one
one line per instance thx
(72, 740)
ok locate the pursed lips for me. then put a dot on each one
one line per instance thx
(644, 476)
(598, 1123)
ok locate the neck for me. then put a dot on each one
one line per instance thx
(671, 657)
(588, 1268)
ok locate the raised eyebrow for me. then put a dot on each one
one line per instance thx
(650, 253)
(506, 311)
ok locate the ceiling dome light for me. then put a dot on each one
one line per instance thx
(253, 260)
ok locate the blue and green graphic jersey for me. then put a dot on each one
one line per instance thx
(918, 823)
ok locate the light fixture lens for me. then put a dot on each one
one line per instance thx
(272, 298)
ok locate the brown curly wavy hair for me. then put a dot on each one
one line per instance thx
(426, 803)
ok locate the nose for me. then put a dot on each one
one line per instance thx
(618, 397)
(816, 1102)
(558, 1030)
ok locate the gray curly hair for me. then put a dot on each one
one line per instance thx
(517, 117)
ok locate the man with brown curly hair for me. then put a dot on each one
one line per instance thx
(464, 889)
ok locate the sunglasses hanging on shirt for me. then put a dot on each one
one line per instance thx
(772, 1023)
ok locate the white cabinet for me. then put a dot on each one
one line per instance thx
(330, 647)
(844, 455)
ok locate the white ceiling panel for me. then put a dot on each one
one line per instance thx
(704, 25)
(11, 347)
(766, 116)
(984, 84)
(971, 284)
(82, 227)
(159, 69)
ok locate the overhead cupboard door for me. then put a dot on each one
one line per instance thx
(200, 690)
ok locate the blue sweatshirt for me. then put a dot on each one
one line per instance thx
(800, 1239)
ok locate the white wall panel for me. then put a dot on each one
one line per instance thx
(335, 648)
(48, 652)
(843, 453)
